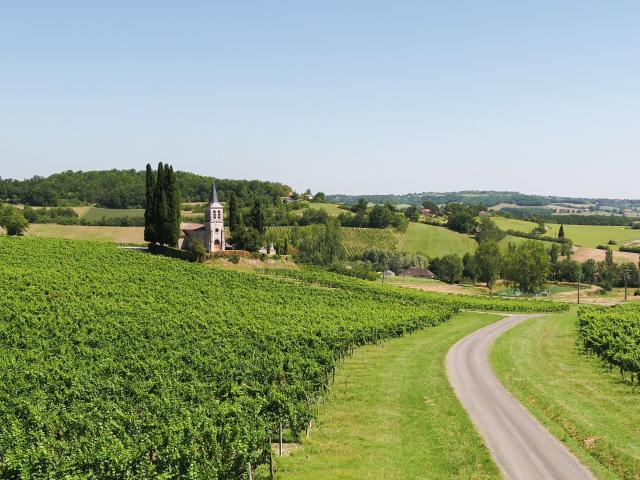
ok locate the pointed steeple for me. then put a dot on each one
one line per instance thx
(214, 195)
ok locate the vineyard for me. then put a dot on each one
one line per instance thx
(357, 241)
(118, 364)
(613, 334)
(317, 276)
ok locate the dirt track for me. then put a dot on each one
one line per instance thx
(522, 448)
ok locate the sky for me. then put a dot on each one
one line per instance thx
(355, 97)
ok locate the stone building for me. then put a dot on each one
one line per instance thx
(211, 234)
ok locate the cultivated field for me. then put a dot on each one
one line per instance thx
(94, 214)
(127, 235)
(582, 235)
(357, 241)
(130, 358)
(582, 254)
(435, 241)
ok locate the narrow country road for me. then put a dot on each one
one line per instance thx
(522, 448)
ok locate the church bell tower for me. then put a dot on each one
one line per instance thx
(215, 223)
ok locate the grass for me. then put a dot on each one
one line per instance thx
(504, 243)
(132, 235)
(392, 414)
(331, 208)
(435, 241)
(584, 405)
(94, 214)
(583, 235)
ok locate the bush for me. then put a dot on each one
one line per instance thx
(234, 258)
(13, 220)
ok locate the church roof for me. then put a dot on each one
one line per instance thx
(213, 201)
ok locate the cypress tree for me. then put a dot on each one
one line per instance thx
(177, 200)
(234, 211)
(257, 217)
(166, 221)
(149, 224)
(561, 232)
(157, 197)
(173, 209)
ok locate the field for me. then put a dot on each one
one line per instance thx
(582, 235)
(433, 241)
(94, 214)
(392, 414)
(572, 394)
(121, 364)
(504, 243)
(316, 276)
(331, 208)
(126, 235)
(357, 241)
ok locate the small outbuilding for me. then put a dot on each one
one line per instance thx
(388, 273)
(417, 272)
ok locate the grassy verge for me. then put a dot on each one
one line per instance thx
(578, 400)
(392, 414)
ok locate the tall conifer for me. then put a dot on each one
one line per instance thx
(149, 223)
(173, 209)
(157, 196)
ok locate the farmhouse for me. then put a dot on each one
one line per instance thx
(417, 272)
(211, 234)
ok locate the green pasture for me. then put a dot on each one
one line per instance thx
(582, 235)
(435, 241)
(331, 208)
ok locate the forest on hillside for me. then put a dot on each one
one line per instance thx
(125, 189)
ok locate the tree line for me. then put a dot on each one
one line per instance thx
(126, 189)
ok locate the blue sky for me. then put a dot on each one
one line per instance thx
(345, 97)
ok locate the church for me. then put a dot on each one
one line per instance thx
(211, 234)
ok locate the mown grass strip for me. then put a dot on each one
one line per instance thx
(572, 394)
(392, 414)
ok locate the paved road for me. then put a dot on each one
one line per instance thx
(522, 448)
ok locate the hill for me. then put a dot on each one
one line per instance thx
(125, 189)
(487, 198)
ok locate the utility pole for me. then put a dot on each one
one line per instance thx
(579, 278)
(626, 281)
